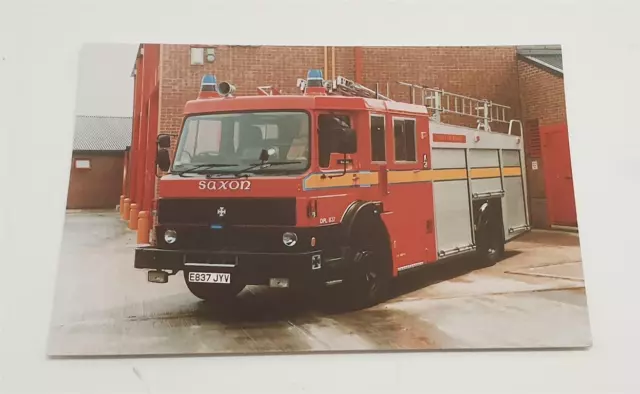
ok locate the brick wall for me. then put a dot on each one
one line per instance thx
(543, 101)
(485, 72)
(482, 72)
(98, 187)
(542, 94)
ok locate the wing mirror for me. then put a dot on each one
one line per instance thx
(346, 142)
(164, 141)
(163, 160)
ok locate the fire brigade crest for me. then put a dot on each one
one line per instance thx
(221, 211)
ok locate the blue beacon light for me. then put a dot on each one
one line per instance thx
(314, 78)
(209, 83)
(314, 74)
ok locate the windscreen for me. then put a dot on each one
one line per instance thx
(237, 140)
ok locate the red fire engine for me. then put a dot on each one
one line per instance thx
(335, 186)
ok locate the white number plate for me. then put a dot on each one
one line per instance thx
(209, 277)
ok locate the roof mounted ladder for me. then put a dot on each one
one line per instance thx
(269, 91)
(442, 102)
(347, 87)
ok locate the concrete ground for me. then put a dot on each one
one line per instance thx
(103, 306)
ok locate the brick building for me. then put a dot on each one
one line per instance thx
(169, 75)
(100, 150)
(542, 97)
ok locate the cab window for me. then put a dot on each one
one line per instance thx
(328, 124)
(404, 137)
(378, 141)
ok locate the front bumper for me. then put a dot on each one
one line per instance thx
(247, 268)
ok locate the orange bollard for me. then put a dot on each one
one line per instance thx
(125, 209)
(121, 205)
(143, 228)
(133, 217)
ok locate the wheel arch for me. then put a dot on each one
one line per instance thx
(367, 213)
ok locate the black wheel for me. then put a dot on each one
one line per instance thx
(218, 293)
(367, 282)
(489, 239)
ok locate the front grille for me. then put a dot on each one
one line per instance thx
(250, 239)
(228, 211)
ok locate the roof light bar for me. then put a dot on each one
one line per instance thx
(209, 83)
(208, 87)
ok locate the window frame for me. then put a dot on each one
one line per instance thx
(415, 139)
(384, 136)
(195, 51)
(340, 114)
(187, 117)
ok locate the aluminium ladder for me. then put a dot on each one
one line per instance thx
(438, 101)
(443, 102)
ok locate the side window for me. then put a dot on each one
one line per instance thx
(327, 123)
(404, 135)
(378, 149)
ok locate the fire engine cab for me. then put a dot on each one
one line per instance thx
(335, 186)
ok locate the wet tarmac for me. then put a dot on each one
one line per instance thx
(105, 307)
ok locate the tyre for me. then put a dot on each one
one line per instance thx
(218, 293)
(489, 238)
(369, 274)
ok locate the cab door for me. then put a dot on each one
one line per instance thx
(411, 193)
(331, 162)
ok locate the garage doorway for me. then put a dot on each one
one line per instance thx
(558, 175)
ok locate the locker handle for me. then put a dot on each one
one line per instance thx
(489, 194)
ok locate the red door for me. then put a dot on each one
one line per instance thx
(561, 204)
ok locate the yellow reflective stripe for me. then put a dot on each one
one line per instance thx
(449, 174)
(478, 173)
(409, 176)
(512, 171)
(316, 181)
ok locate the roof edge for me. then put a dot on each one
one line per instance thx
(105, 116)
(138, 54)
(91, 152)
(539, 50)
(544, 65)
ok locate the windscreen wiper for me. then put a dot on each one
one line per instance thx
(195, 169)
(264, 164)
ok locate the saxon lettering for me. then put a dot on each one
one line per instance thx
(224, 185)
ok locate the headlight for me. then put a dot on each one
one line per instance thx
(170, 236)
(289, 239)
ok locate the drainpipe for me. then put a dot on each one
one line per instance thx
(326, 61)
(333, 63)
(358, 55)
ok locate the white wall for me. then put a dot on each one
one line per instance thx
(105, 85)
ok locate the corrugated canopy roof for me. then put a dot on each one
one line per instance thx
(546, 56)
(102, 133)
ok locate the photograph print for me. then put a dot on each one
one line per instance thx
(247, 199)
